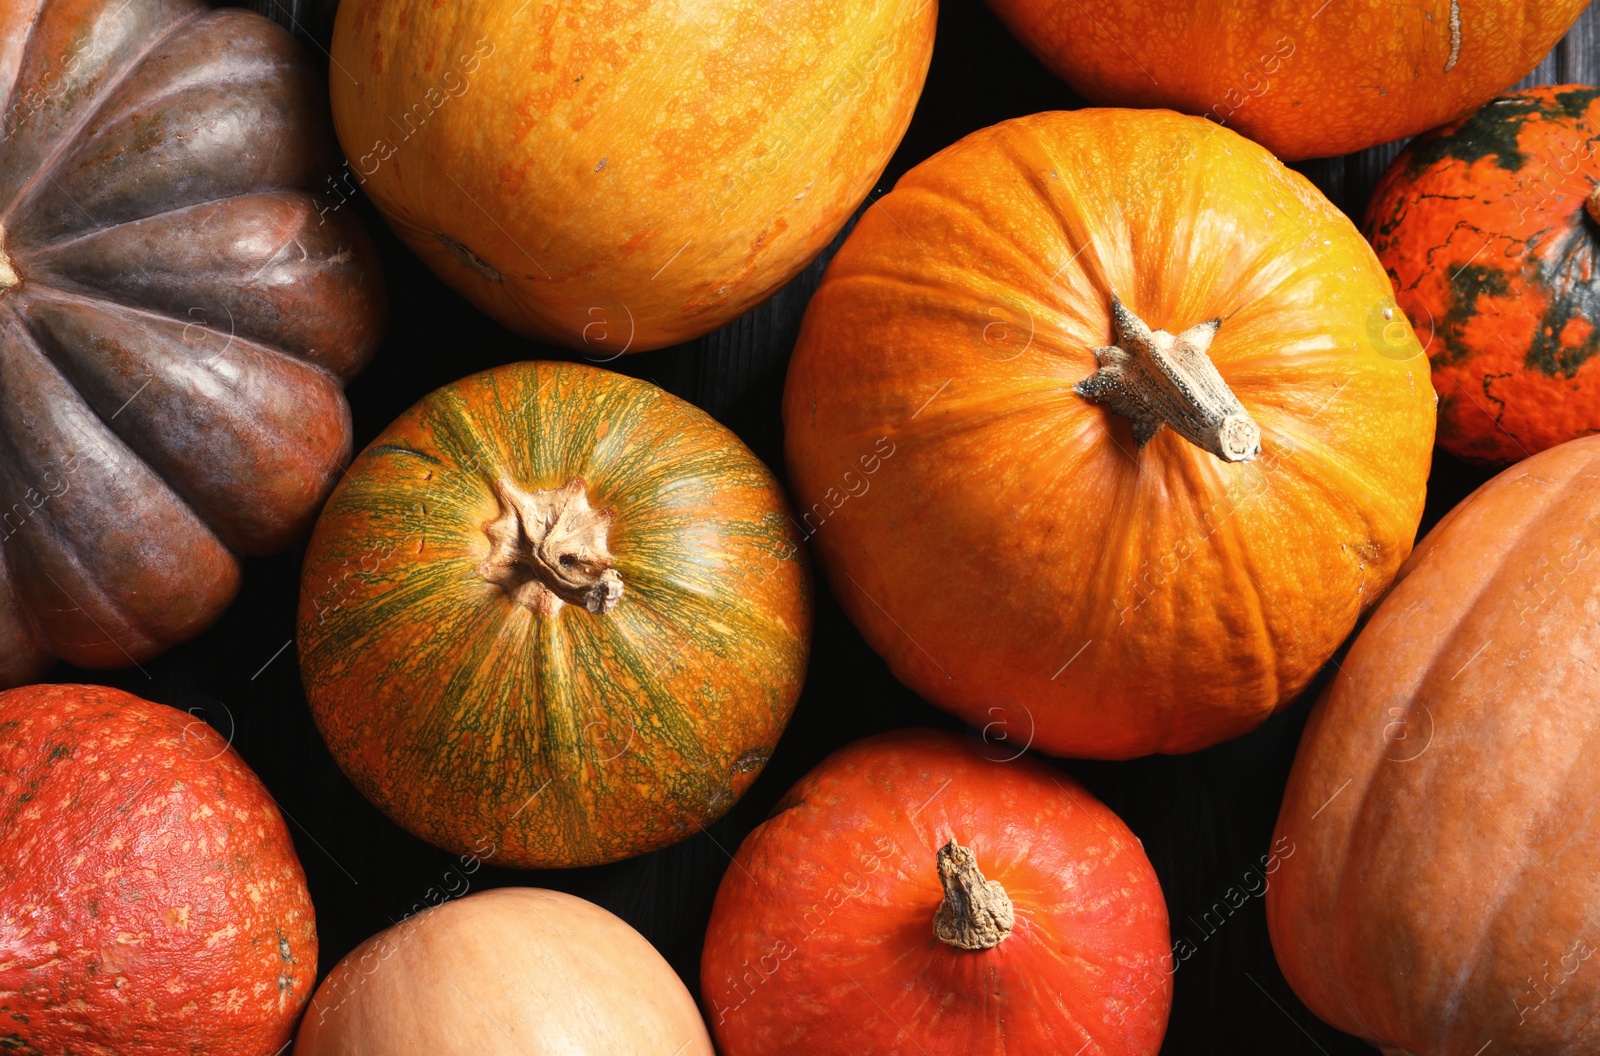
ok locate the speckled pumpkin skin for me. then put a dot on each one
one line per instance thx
(577, 738)
(1304, 79)
(624, 175)
(821, 941)
(151, 903)
(1482, 227)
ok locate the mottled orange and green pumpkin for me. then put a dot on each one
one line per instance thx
(1490, 230)
(554, 617)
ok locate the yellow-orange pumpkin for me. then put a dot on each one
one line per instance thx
(1306, 79)
(1012, 548)
(624, 175)
(1443, 895)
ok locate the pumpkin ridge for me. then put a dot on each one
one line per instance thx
(68, 138)
(954, 275)
(233, 421)
(1265, 612)
(1346, 889)
(115, 304)
(1575, 299)
(1509, 887)
(148, 645)
(1556, 498)
(1073, 225)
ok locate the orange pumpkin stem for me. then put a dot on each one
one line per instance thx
(8, 274)
(976, 913)
(548, 548)
(1156, 379)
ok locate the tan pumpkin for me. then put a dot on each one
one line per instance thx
(1443, 898)
(515, 971)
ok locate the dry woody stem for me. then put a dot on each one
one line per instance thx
(548, 548)
(1155, 379)
(976, 913)
(8, 274)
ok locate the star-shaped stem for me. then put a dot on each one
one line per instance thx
(1153, 378)
(548, 548)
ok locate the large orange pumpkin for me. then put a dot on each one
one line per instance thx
(512, 972)
(1305, 79)
(626, 175)
(1444, 807)
(984, 510)
(913, 897)
(151, 903)
(554, 616)
(1490, 229)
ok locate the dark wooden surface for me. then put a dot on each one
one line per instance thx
(1204, 818)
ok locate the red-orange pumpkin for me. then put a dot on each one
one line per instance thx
(1305, 79)
(623, 175)
(1490, 229)
(150, 899)
(990, 519)
(512, 972)
(1444, 893)
(913, 896)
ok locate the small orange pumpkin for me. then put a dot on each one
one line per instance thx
(912, 897)
(1105, 425)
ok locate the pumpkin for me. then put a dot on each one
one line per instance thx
(508, 972)
(554, 616)
(1304, 80)
(1490, 229)
(976, 421)
(913, 896)
(150, 899)
(1443, 892)
(177, 319)
(621, 176)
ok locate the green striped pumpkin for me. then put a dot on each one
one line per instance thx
(554, 616)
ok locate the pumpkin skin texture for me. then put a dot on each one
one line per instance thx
(151, 903)
(565, 735)
(1443, 890)
(822, 939)
(618, 177)
(1303, 80)
(177, 320)
(516, 971)
(1483, 226)
(1005, 543)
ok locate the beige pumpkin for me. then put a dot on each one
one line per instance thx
(516, 971)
